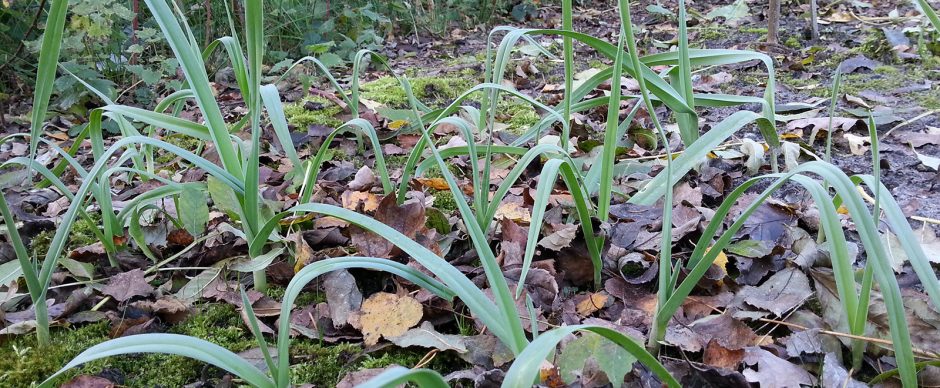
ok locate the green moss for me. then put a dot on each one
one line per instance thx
(216, 323)
(393, 162)
(597, 64)
(754, 30)
(322, 366)
(83, 231)
(793, 42)
(444, 201)
(435, 172)
(304, 299)
(518, 115)
(886, 70)
(433, 91)
(710, 32)
(442, 362)
(185, 142)
(82, 234)
(313, 362)
(39, 244)
(301, 117)
(875, 46)
(24, 363)
(309, 368)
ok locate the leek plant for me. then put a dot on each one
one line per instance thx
(501, 318)
(239, 173)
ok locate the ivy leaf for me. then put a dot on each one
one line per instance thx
(613, 360)
(193, 211)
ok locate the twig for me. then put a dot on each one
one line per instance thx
(924, 353)
(918, 117)
(921, 352)
(927, 220)
(426, 359)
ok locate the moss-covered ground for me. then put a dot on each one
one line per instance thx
(313, 362)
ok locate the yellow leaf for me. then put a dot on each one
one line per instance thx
(397, 124)
(387, 315)
(303, 254)
(434, 183)
(593, 303)
(842, 210)
(352, 199)
(514, 212)
(722, 262)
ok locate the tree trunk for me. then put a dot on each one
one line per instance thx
(773, 21)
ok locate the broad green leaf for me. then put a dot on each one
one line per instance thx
(730, 12)
(614, 360)
(222, 196)
(194, 210)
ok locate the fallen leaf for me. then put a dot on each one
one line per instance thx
(730, 333)
(353, 199)
(803, 342)
(929, 243)
(782, 292)
(750, 248)
(303, 254)
(408, 218)
(835, 375)
(127, 285)
(613, 360)
(387, 315)
(755, 154)
(822, 123)
(88, 381)
(434, 183)
(513, 211)
(773, 371)
(730, 12)
(857, 143)
(342, 296)
(560, 238)
(360, 377)
(722, 357)
(929, 161)
(364, 179)
(425, 336)
(592, 303)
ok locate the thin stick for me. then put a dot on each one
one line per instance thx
(924, 353)
(918, 117)
(921, 352)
